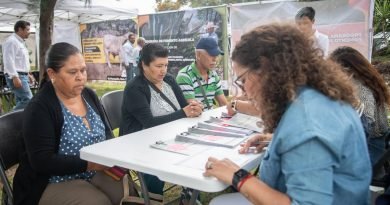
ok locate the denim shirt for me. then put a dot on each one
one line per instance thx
(318, 154)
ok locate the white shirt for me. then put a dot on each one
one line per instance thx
(322, 42)
(15, 55)
(137, 49)
(129, 54)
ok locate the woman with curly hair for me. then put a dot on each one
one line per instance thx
(373, 94)
(318, 152)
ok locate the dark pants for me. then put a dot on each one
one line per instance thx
(155, 185)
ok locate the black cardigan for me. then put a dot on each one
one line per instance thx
(136, 113)
(42, 125)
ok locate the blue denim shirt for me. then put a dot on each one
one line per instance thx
(318, 154)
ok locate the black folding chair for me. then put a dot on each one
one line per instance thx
(6, 94)
(112, 103)
(11, 146)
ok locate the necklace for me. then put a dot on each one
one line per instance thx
(85, 121)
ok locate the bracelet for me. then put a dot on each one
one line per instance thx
(234, 105)
(243, 181)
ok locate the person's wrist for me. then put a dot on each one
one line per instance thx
(234, 105)
(242, 182)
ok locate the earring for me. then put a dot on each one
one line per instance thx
(52, 80)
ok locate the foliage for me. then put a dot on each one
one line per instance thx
(169, 5)
(382, 16)
(164, 5)
(200, 3)
(382, 25)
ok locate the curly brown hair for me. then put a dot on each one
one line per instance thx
(284, 60)
(363, 71)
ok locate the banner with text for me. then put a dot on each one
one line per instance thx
(180, 30)
(346, 22)
(102, 47)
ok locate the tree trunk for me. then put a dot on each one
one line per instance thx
(45, 31)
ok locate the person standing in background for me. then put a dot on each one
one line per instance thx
(305, 19)
(137, 49)
(17, 64)
(210, 31)
(129, 57)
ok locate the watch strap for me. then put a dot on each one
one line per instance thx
(238, 177)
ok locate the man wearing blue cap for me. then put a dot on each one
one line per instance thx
(199, 81)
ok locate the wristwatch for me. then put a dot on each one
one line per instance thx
(234, 105)
(238, 176)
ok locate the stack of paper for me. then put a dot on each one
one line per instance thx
(214, 132)
(240, 120)
(214, 140)
(186, 148)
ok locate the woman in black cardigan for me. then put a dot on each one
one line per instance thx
(153, 98)
(63, 117)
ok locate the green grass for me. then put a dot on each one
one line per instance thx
(102, 87)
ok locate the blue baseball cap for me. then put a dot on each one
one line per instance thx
(210, 45)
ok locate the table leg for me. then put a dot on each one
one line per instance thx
(144, 189)
(194, 196)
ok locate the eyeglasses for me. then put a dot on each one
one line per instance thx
(240, 80)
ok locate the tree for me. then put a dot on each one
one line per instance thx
(164, 5)
(45, 31)
(382, 18)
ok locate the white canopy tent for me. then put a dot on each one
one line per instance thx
(68, 14)
(65, 10)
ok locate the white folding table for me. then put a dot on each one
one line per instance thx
(133, 151)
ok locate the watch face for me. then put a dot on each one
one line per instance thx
(238, 176)
(241, 173)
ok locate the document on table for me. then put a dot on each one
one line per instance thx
(241, 120)
(186, 148)
(214, 140)
(199, 161)
(224, 127)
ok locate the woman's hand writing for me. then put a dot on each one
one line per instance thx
(257, 142)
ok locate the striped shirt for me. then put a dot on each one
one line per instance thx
(187, 80)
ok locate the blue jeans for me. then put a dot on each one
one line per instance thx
(129, 72)
(22, 94)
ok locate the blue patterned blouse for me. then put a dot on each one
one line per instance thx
(75, 135)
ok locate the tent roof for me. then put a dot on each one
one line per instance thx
(70, 10)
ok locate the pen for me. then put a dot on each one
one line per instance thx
(262, 142)
(259, 143)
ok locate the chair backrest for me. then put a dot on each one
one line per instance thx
(3, 82)
(11, 146)
(112, 103)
